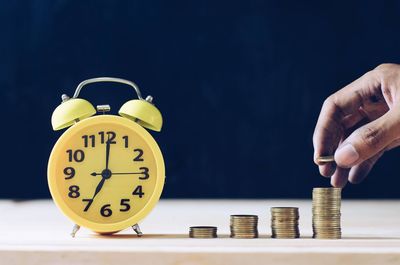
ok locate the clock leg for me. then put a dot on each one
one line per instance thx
(136, 228)
(74, 230)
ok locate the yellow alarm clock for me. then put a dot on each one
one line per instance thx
(106, 172)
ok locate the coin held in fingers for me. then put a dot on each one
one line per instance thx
(325, 159)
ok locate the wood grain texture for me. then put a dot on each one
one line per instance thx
(35, 232)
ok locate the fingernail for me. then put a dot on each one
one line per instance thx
(346, 155)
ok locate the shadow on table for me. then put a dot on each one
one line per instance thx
(153, 236)
(179, 236)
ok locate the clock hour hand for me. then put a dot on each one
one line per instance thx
(106, 172)
(98, 188)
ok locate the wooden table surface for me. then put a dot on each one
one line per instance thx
(35, 232)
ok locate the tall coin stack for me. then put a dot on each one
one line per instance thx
(326, 213)
(285, 222)
(203, 232)
(244, 226)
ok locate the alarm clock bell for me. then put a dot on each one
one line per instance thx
(143, 112)
(71, 111)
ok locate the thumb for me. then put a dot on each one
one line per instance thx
(368, 140)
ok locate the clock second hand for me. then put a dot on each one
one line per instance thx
(118, 173)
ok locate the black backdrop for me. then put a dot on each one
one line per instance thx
(240, 85)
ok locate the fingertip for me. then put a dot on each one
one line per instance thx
(326, 170)
(339, 178)
(359, 173)
(338, 183)
(356, 181)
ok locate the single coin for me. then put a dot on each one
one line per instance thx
(326, 189)
(244, 216)
(280, 235)
(284, 209)
(325, 159)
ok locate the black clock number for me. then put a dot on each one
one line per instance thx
(74, 192)
(126, 140)
(125, 204)
(145, 172)
(69, 172)
(110, 137)
(138, 191)
(89, 201)
(139, 155)
(89, 140)
(105, 211)
(77, 155)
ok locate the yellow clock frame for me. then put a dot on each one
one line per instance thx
(76, 112)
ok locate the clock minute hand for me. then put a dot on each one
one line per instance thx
(105, 172)
(107, 152)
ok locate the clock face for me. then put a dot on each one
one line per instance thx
(106, 173)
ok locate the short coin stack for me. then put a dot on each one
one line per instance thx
(244, 226)
(326, 213)
(285, 222)
(203, 232)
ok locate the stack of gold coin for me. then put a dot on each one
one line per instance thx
(326, 213)
(244, 226)
(203, 232)
(285, 222)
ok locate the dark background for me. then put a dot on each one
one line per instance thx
(240, 85)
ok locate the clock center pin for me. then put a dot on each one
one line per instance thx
(106, 173)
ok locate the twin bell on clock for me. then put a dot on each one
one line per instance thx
(106, 172)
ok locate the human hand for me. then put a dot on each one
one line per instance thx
(358, 124)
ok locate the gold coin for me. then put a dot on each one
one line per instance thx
(285, 219)
(203, 232)
(326, 213)
(323, 189)
(245, 236)
(284, 209)
(285, 222)
(244, 226)
(325, 159)
(245, 216)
